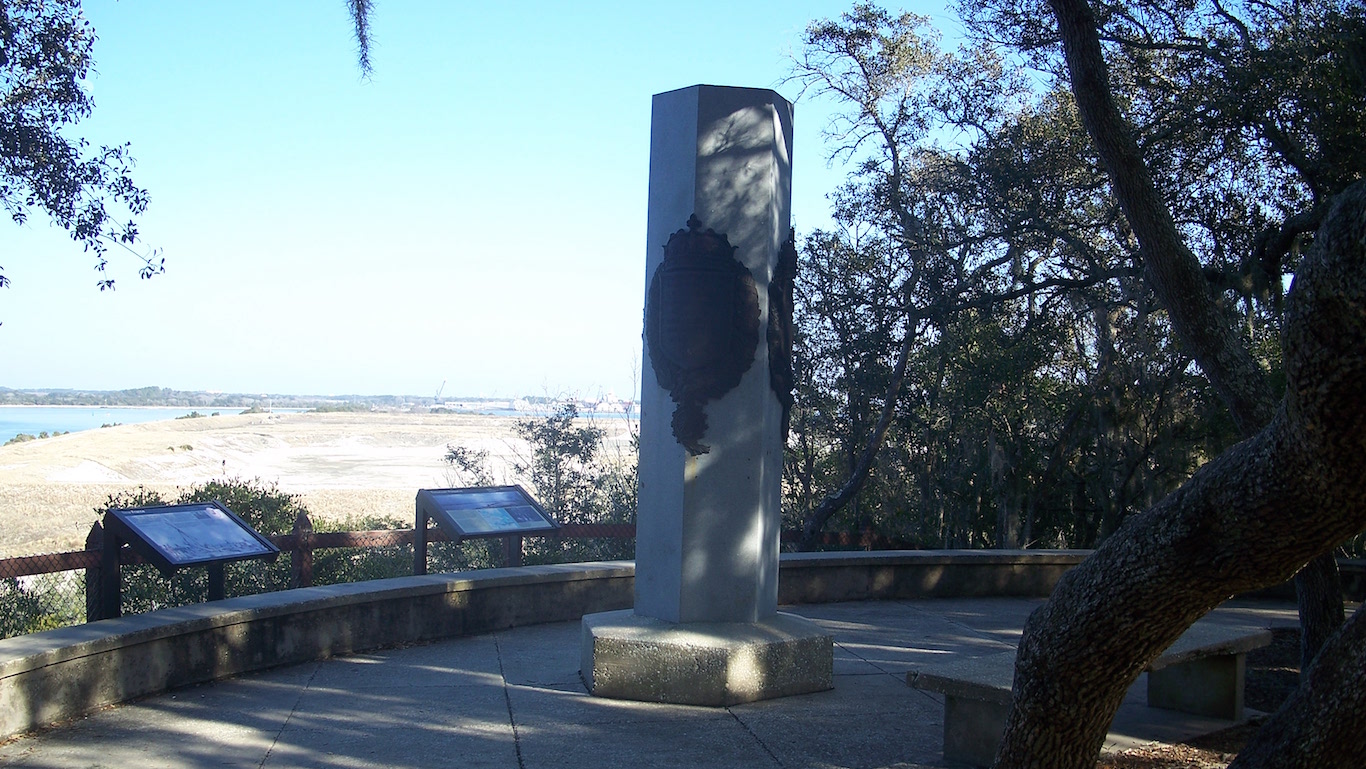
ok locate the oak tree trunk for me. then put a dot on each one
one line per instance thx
(1320, 725)
(1176, 277)
(1248, 519)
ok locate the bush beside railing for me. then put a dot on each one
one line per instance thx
(41, 592)
(27, 604)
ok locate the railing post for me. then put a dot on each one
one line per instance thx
(111, 591)
(419, 541)
(301, 557)
(217, 582)
(93, 574)
(512, 550)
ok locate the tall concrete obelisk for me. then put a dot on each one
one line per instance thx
(705, 628)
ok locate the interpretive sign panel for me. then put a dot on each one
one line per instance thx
(173, 536)
(489, 511)
(484, 511)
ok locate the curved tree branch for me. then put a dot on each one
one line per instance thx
(1248, 519)
(1241, 521)
(1171, 267)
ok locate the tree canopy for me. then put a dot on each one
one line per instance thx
(1043, 398)
(46, 55)
(45, 58)
(980, 208)
(1057, 287)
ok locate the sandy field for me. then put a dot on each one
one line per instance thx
(341, 464)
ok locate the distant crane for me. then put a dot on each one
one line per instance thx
(437, 397)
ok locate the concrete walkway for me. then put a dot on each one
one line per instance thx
(514, 700)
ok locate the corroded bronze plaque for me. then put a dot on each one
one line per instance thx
(780, 308)
(701, 326)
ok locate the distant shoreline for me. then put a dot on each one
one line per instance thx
(165, 397)
(99, 406)
(341, 464)
(19, 423)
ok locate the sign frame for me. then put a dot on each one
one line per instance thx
(139, 527)
(478, 512)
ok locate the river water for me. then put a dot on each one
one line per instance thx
(70, 419)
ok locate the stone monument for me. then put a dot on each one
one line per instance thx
(715, 389)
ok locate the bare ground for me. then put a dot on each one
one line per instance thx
(341, 464)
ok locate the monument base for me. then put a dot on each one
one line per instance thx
(631, 657)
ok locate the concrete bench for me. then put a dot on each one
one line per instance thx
(1202, 674)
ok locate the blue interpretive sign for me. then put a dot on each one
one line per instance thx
(488, 511)
(482, 511)
(174, 536)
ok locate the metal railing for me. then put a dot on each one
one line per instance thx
(40, 592)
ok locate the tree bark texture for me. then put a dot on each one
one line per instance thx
(1319, 618)
(1175, 275)
(1250, 518)
(1321, 725)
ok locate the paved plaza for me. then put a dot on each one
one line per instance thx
(514, 699)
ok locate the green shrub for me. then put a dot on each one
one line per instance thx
(572, 475)
(470, 555)
(42, 602)
(333, 566)
(327, 408)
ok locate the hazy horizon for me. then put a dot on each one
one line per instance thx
(442, 395)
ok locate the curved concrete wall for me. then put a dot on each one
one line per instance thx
(826, 577)
(59, 674)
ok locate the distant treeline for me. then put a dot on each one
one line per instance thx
(166, 397)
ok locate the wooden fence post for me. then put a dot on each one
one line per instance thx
(301, 557)
(93, 574)
(512, 550)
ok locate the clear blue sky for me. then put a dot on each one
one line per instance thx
(473, 214)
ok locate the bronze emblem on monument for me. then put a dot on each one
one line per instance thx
(780, 308)
(701, 325)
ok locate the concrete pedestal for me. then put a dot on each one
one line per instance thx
(627, 656)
